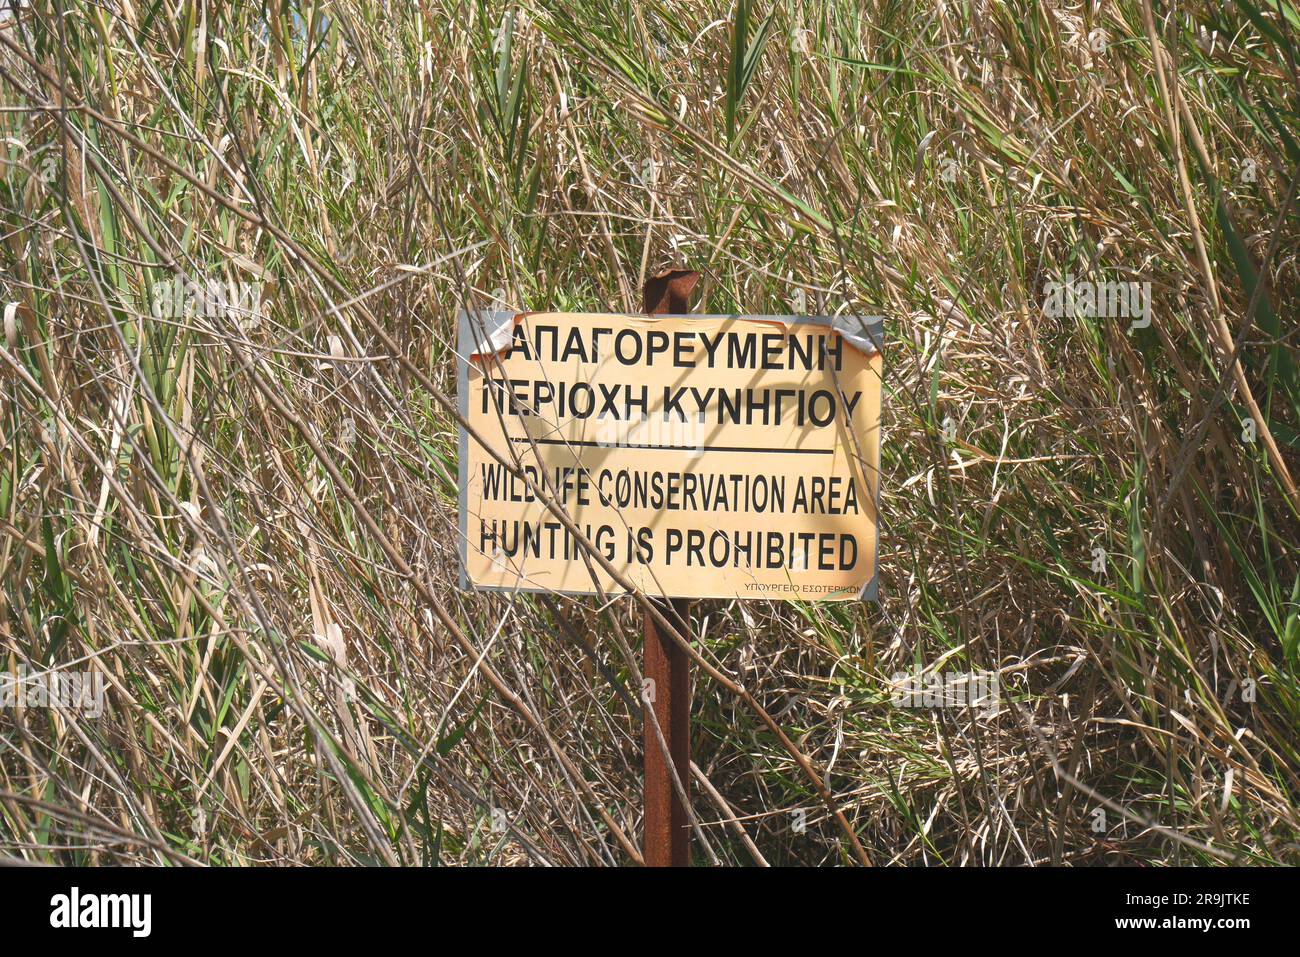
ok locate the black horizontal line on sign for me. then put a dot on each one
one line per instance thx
(670, 448)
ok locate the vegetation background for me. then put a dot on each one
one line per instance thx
(246, 522)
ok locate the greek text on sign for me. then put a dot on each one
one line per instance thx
(702, 456)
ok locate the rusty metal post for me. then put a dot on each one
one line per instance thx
(666, 841)
(667, 838)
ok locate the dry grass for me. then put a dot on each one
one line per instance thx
(248, 528)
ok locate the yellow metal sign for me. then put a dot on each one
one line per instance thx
(702, 456)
